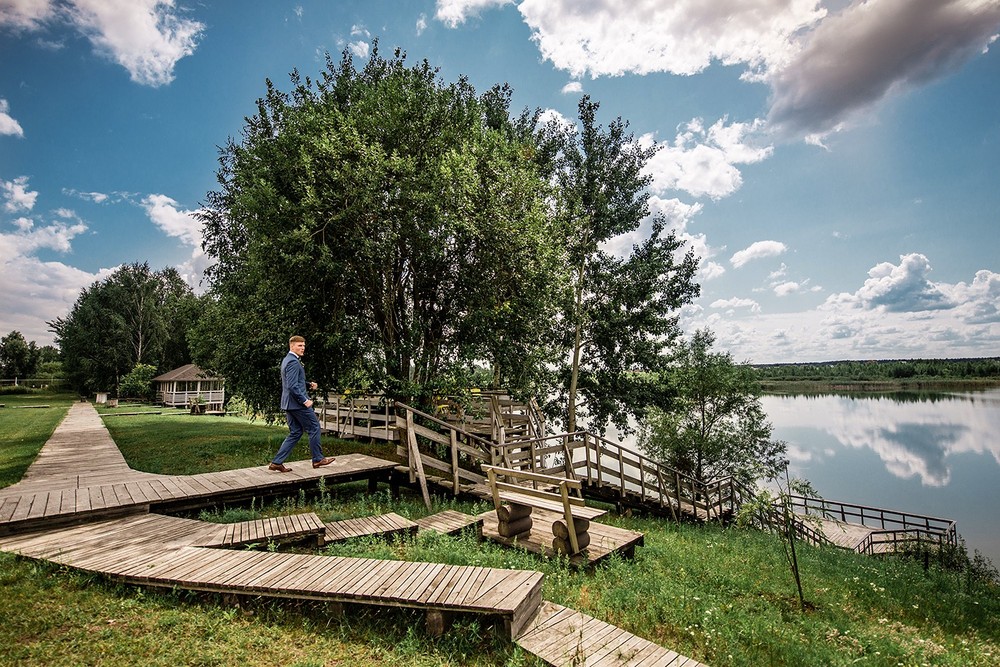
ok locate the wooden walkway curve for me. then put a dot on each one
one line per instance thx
(80, 505)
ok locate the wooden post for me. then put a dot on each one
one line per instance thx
(454, 462)
(415, 461)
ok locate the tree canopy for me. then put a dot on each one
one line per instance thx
(134, 316)
(422, 238)
(619, 319)
(395, 221)
(716, 425)
(18, 357)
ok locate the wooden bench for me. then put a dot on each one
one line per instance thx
(521, 491)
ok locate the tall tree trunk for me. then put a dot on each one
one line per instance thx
(577, 345)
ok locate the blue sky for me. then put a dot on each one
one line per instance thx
(836, 165)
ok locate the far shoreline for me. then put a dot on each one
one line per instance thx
(876, 386)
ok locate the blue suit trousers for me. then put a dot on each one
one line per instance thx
(299, 421)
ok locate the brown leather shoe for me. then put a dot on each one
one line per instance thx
(325, 461)
(280, 467)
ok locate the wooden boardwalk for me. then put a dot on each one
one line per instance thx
(561, 636)
(389, 525)
(80, 505)
(164, 551)
(80, 475)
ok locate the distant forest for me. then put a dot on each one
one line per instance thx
(891, 370)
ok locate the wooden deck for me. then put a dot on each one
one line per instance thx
(80, 475)
(80, 505)
(562, 636)
(171, 552)
(604, 539)
(389, 526)
(451, 522)
(842, 534)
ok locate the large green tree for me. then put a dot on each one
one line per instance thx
(396, 221)
(620, 316)
(18, 357)
(715, 425)
(134, 316)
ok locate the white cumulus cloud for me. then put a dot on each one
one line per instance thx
(146, 37)
(166, 215)
(454, 12)
(8, 125)
(735, 303)
(25, 14)
(16, 195)
(757, 250)
(614, 37)
(905, 287)
(702, 161)
(183, 225)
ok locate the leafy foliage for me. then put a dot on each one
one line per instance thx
(18, 357)
(716, 425)
(394, 221)
(134, 316)
(899, 369)
(138, 383)
(620, 315)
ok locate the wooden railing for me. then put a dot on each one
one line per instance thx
(617, 473)
(186, 398)
(609, 471)
(365, 416)
(894, 529)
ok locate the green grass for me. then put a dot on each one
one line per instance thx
(176, 443)
(721, 595)
(25, 429)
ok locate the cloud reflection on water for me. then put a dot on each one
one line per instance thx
(913, 437)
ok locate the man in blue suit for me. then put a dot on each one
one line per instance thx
(298, 408)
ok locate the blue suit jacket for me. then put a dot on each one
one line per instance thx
(293, 383)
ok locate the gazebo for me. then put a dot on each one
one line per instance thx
(190, 386)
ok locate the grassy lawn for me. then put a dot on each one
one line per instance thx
(721, 595)
(25, 427)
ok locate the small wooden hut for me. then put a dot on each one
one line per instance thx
(189, 386)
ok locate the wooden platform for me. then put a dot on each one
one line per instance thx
(389, 525)
(275, 530)
(561, 636)
(167, 551)
(80, 475)
(604, 539)
(845, 535)
(451, 522)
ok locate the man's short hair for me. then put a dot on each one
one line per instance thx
(296, 339)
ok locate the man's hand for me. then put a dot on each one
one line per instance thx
(313, 385)
(308, 403)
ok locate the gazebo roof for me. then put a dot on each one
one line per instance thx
(184, 373)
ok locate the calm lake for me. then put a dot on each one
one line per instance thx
(937, 455)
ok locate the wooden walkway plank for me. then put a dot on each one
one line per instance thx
(561, 636)
(450, 522)
(352, 568)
